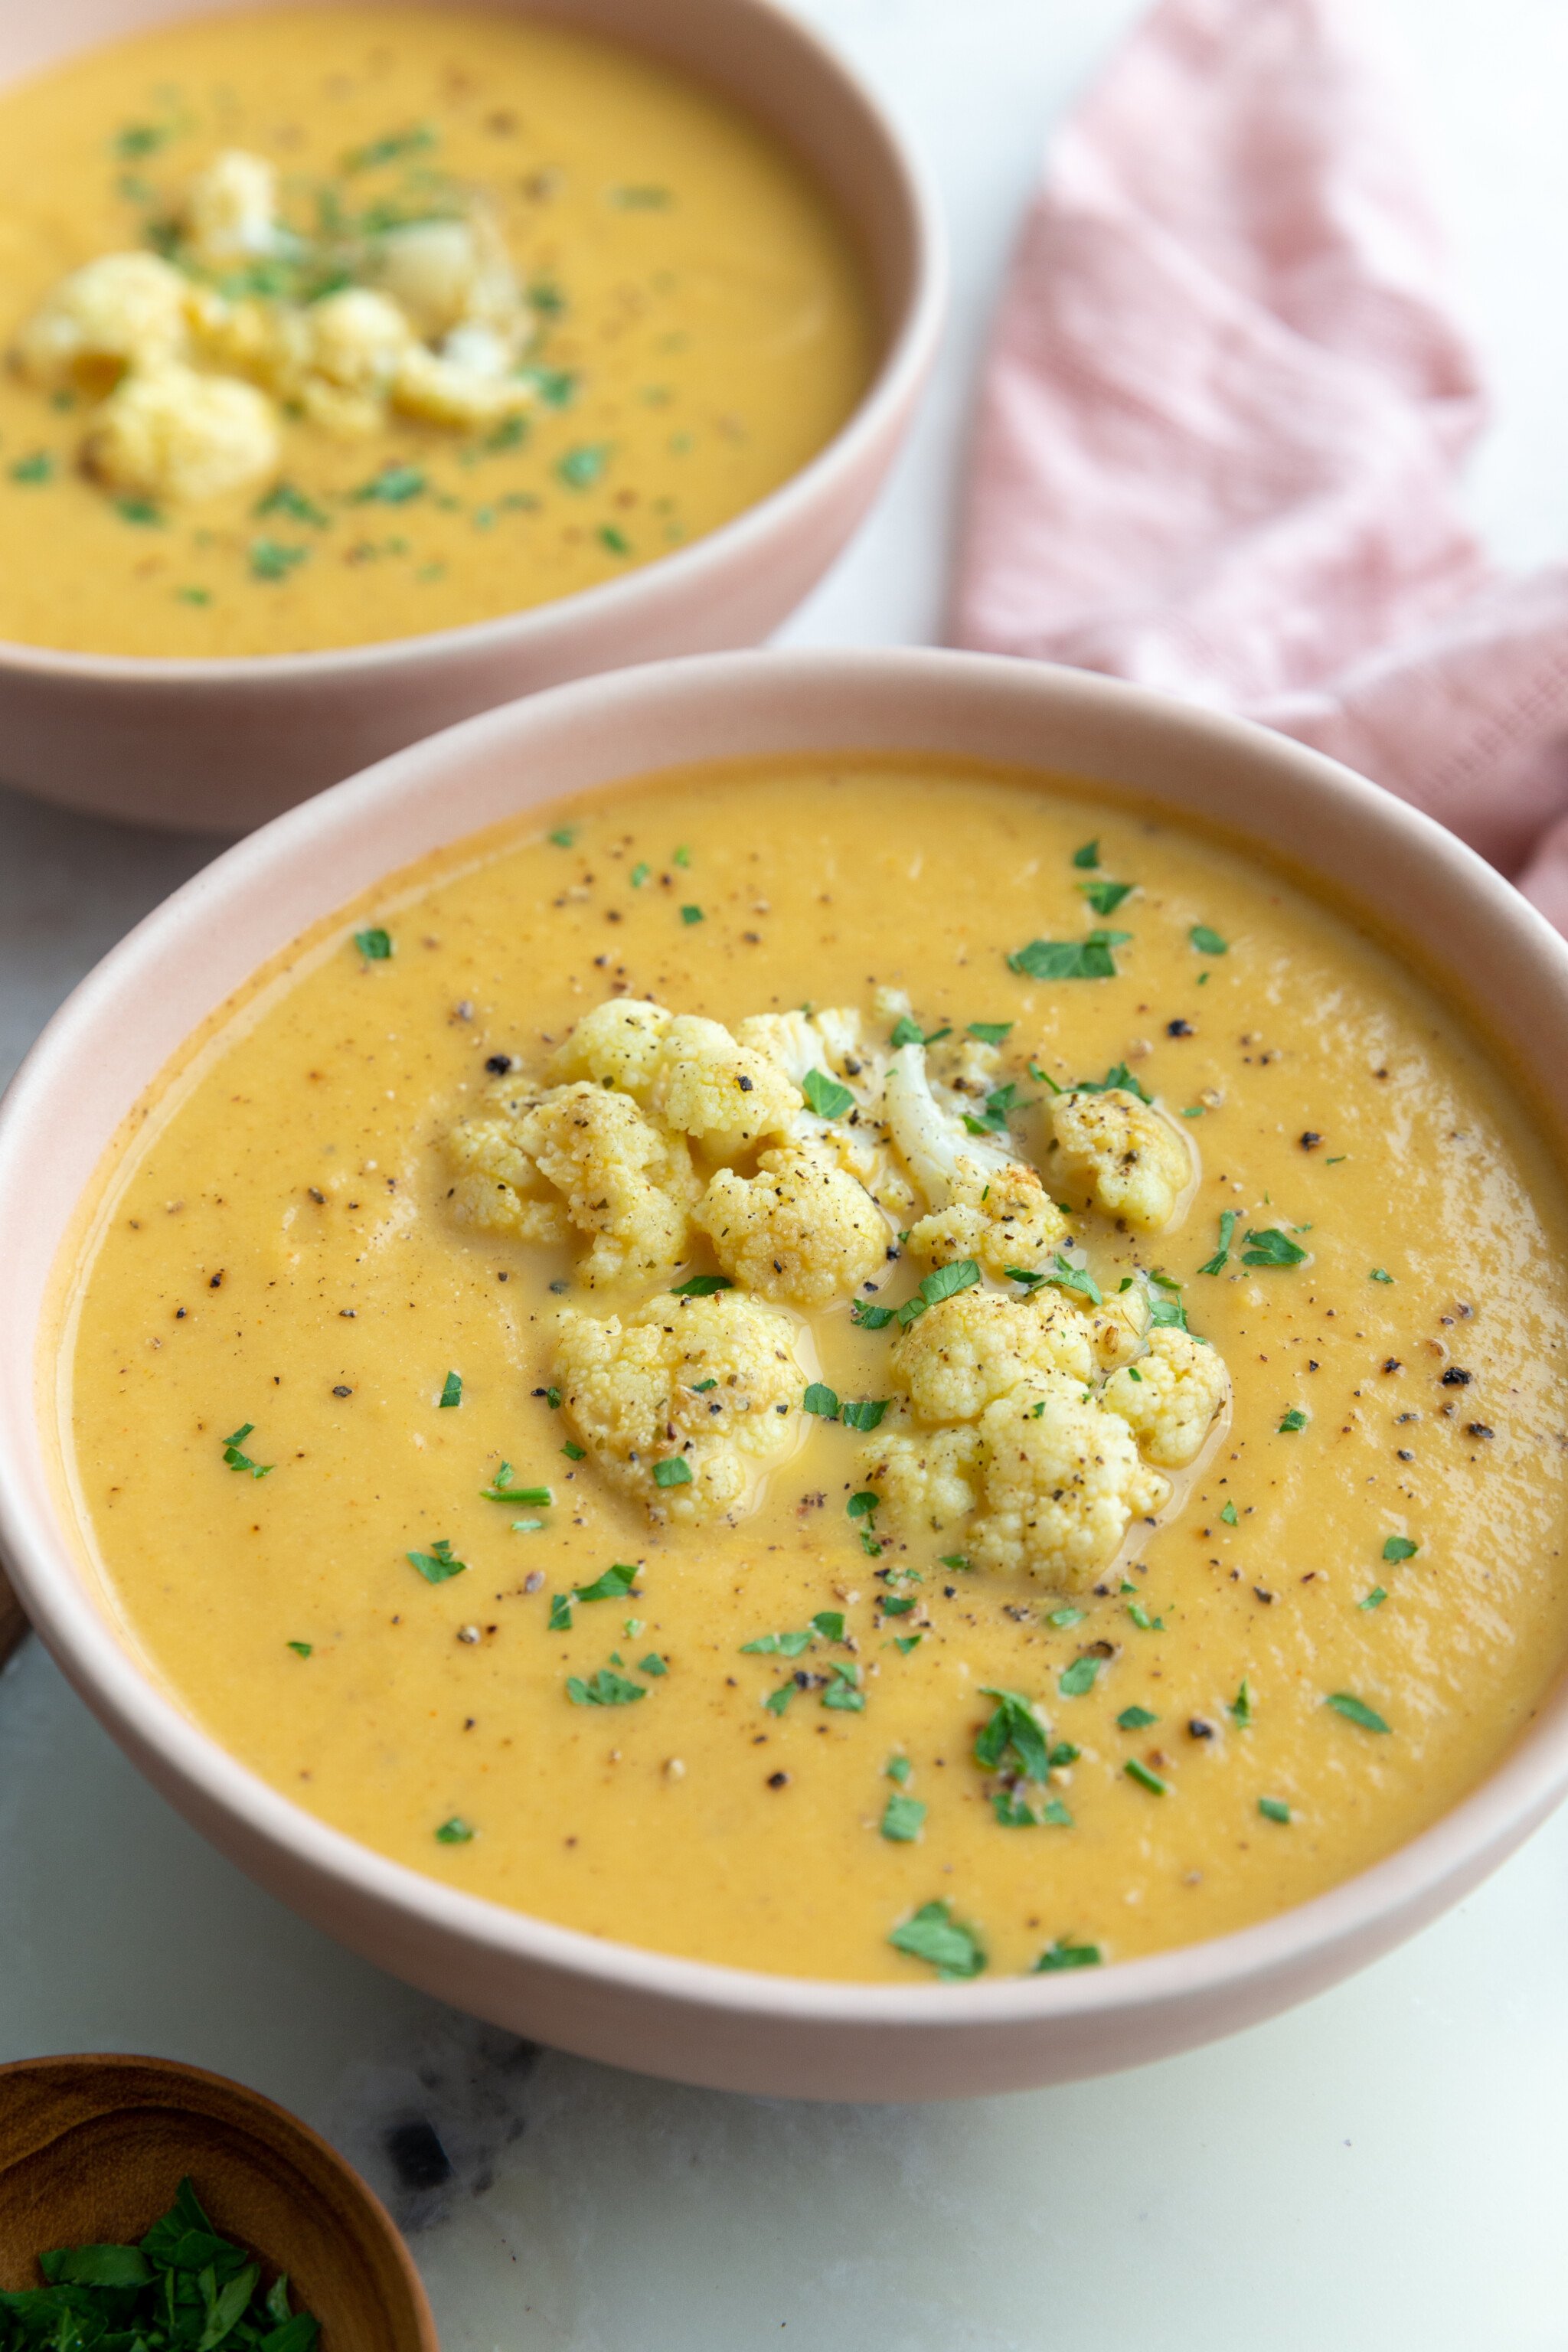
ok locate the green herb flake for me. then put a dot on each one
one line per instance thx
(1379, 1275)
(909, 1033)
(560, 1613)
(1078, 1679)
(604, 1690)
(616, 1584)
(1374, 1598)
(1137, 1771)
(843, 1692)
(284, 499)
(1086, 958)
(1208, 942)
(238, 1461)
(1229, 1221)
(947, 1281)
(393, 487)
(562, 837)
(864, 1413)
(701, 1286)
(436, 1564)
(1135, 1718)
(194, 596)
(673, 1471)
(902, 1820)
(1106, 896)
(825, 1096)
(302, 1649)
(1086, 858)
(1355, 1710)
(689, 915)
(390, 148)
(897, 1768)
(991, 1032)
(1141, 1619)
(1061, 1955)
(133, 138)
(1396, 1547)
(574, 1452)
(641, 199)
(1274, 1809)
(653, 1666)
(1272, 1247)
(1228, 1515)
(821, 1400)
(1064, 1617)
(451, 1391)
(501, 1490)
(1118, 1077)
(374, 945)
(581, 467)
(1014, 1731)
(870, 1318)
(640, 874)
(615, 540)
(681, 855)
(778, 1700)
(38, 466)
(1240, 1708)
(272, 559)
(455, 1832)
(141, 511)
(1291, 1421)
(934, 1935)
(1065, 1275)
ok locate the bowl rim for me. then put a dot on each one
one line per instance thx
(910, 335)
(1408, 1884)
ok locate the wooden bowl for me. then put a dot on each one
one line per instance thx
(92, 2150)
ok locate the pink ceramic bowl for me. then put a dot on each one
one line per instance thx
(223, 745)
(638, 2008)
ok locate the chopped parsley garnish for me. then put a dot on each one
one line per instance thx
(1078, 1678)
(1061, 1955)
(135, 139)
(581, 467)
(560, 1613)
(1208, 942)
(864, 1413)
(455, 1832)
(238, 1461)
(673, 1471)
(393, 487)
(897, 1768)
(1014, 1811)
(1141, 1619)
(681, 855)
(1167, 1312)
(284, 499)
(562, 837)
(181, 2286)
(616, 1584)
(302, 1649)
(700, 1286)
(870, 1318)
(501, 1490)
(640, 874)
(555, 386)
(1229, 1221)
(1106, 896)
(909, 1033)
(1400, 1548)
(451, 1390)
(778, 1700)
(374, 945)
(603, 1689)
(1272, 1247)
(1087, 857)
(653, 1666)
(1355, 1710)
(1000, 1105)
(574, 1452)
(1228, 1515)
(1014, 1730)
(1118, 1077)
(908, 1641)
(388, 148)
(902, 1820)
(825, 1096)
(436, 1564)
(1291, 1421)
(942, 1282)
(1067, 1277)
(1240, 1708)
(1374, 1598)
(1379, 1275)
(1086, 958)
(777, 1645)
(1137, 1771)
(934, 1935)
(615, 541)
(272, 559)
(1064, 1617)
(991, 1032)
(821, 1400)
(844, 1690)
(38, 466)
(689, 915)
(142, 512)
(640, 200)
(700, 1388)
(1274, 1809)
(1136, 1718)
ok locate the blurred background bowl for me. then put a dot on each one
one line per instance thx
(93, 2148)
(220, 746)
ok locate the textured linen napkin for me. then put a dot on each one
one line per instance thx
(1222, 423)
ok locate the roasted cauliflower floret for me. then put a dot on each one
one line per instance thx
(924, 1476)
(497, 1185)
(443, 274)
(1170, 1397)
(445, 390)
(358, 340)
(801, 1229)
(968, 1350)
(724, 1095)
(123, 310)
(620, 1044)
(230, 211)
(622, 1181)
(984, 1203)
(1060, 1482)
(713, 1385)
(168, 433)
(1123, 1152)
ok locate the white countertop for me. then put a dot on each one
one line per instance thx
(1380, 2170)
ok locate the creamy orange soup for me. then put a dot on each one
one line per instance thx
(334, 324)
(542, 1397)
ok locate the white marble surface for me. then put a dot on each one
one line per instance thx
(1381, 2170)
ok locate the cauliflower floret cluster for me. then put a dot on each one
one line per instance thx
(985, 1202)
(1125, 1154)
(688, 1404)
(1003, 1439)
(800, 1229)
(189, 362)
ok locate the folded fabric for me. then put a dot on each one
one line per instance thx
(1222, 424)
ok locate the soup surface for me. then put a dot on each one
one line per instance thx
(345, 1380)
(623, 314)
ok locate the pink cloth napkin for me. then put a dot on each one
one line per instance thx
(1222, 426)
